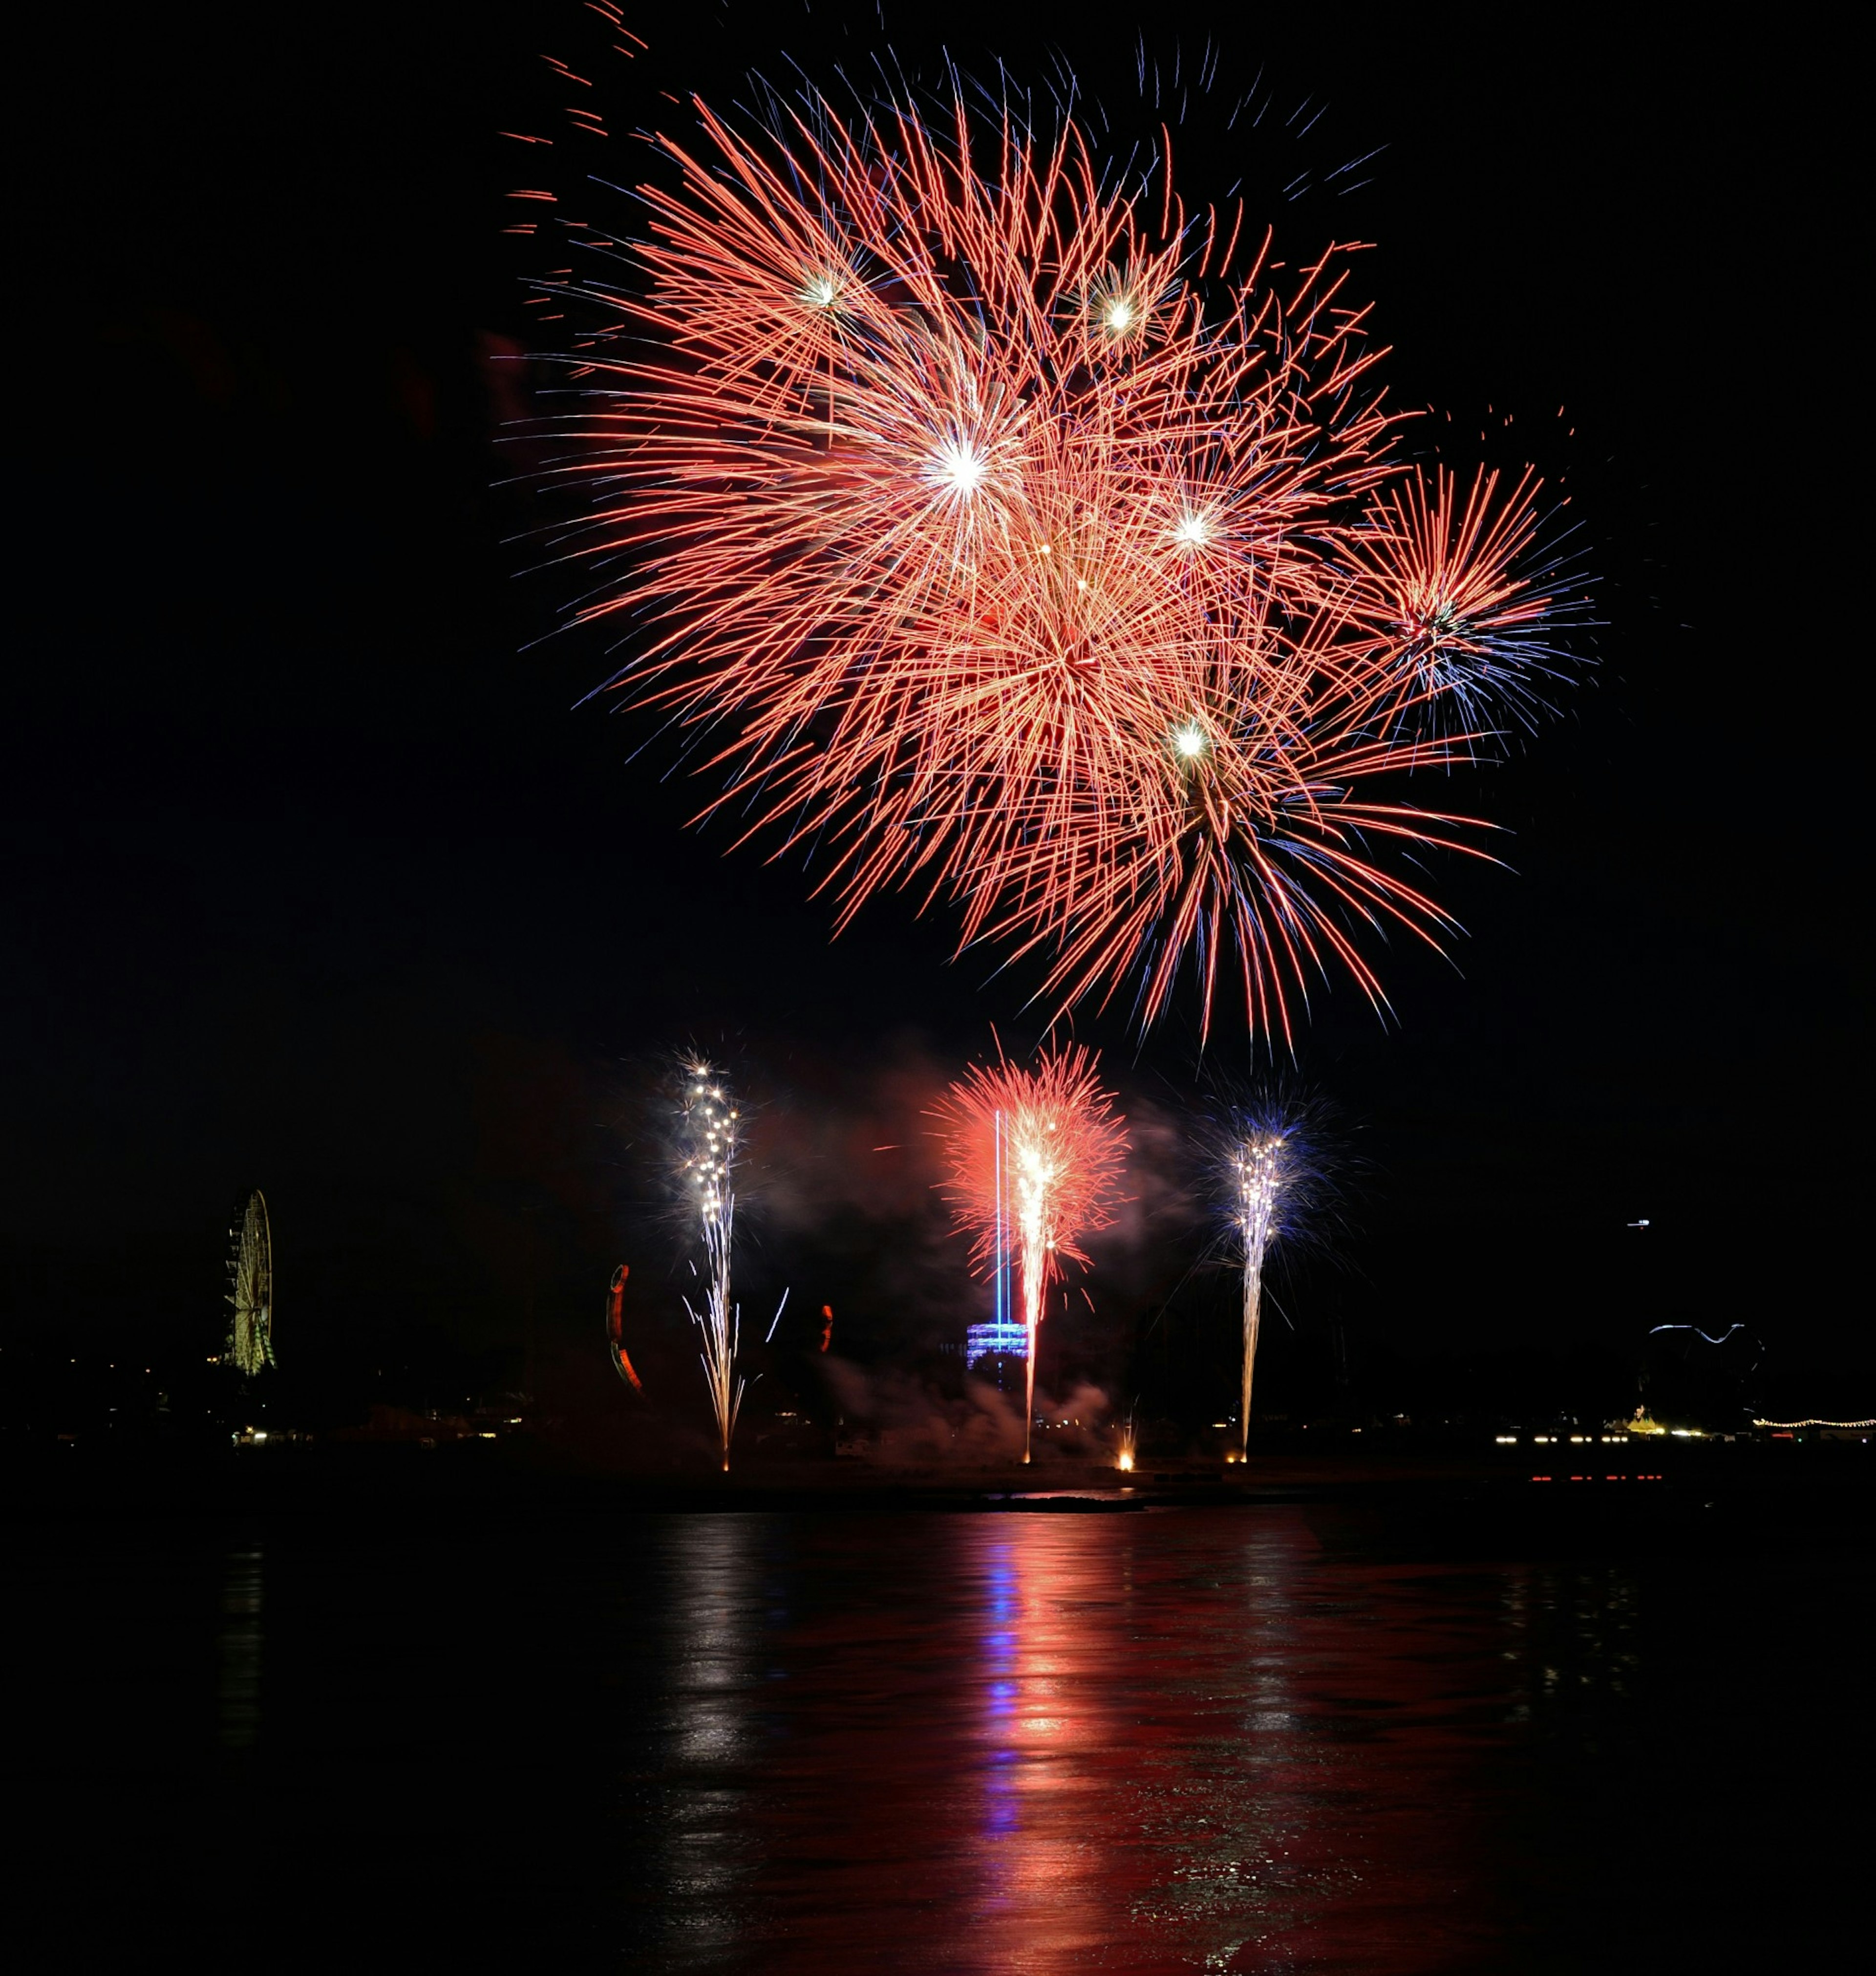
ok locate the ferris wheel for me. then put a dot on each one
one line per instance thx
(251, 1293)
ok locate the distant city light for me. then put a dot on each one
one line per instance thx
(1789, 1424)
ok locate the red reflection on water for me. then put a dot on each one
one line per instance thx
(1041, 1742)
(1220, 1767)
(1043, 1729)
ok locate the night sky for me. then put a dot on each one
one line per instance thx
(319, 879)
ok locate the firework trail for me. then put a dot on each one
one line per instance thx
(996, 530)
(1040, 1150)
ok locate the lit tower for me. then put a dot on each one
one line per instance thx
(1004, 1336)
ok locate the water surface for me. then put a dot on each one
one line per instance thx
(1176, 1740)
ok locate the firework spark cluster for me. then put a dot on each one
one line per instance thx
(998, 530)
(708, 1136)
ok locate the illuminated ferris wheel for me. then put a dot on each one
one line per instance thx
(251, 1292)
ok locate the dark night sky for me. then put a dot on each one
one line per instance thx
(316, 879)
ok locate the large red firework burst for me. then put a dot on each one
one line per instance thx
(996, 536)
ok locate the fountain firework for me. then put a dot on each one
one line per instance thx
(1273, 1173)
(708, 1139)
(1016, 537)
(1039, 1151)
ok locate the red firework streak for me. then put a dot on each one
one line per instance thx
(1041, 1149)
(615, 1329)
(1018, 539)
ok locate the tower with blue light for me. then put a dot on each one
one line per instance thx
(1002, 1337)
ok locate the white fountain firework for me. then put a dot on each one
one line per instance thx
(708, 1139)
(1271, 1158)
(1261, 1163)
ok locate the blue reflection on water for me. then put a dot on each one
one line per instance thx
(1000, 1808)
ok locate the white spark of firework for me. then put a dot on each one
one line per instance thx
(1260, 1162)
(708, 1139)
(960, 466)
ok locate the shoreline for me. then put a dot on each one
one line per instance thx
(1746, 1495)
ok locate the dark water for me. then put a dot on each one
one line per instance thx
(1180, 1739)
